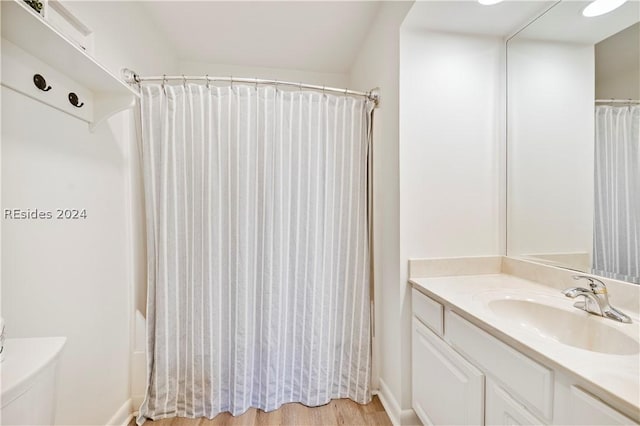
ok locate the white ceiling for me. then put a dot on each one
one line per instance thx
(321, 36)
(324, 36)
(565, 23)
(470, 17)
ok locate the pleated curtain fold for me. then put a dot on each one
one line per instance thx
(616, 252)
(257, 241)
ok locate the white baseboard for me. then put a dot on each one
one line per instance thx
(398, 416)
(123, 416)
(409, 417)
(389, 403)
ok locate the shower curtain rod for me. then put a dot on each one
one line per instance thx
(617, 101)
(132, 77)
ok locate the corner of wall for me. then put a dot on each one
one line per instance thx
(397, 415)
(377, 65)
(123, 416)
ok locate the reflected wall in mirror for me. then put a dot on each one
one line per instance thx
(573, 141)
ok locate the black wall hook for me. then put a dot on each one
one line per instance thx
(41, 83)
(73, 98)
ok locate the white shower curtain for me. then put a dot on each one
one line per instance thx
(258, 263)
(616, 252)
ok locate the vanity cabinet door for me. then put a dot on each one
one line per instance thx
(447, 389)
(502, 409)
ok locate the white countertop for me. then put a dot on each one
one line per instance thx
(615, 377)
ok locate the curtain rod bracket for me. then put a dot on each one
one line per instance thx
(130, 76)
(374, 95)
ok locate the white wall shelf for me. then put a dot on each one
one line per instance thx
(104, 93)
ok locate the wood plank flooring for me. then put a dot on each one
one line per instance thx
(336, 412)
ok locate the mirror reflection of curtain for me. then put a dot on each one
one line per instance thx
(616, 251)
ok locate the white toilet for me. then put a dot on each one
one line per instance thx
(28, 375)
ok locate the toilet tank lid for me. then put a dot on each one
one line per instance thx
(23, 360)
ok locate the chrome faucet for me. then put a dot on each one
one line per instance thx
(595, 300)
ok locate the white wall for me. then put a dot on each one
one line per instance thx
(451, 154)
(68, 278)
(124, 36)
(450, 133)
(338, 80)
(78, 279)
(617, 65)
(377, 65)
(438, 169)
(550, 191)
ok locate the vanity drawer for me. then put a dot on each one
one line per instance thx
(528, 381)
(428, 311)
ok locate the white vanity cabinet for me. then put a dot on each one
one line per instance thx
(463, 375)
(527, 381)
(502, 409)
(448, 390)
(584, 409)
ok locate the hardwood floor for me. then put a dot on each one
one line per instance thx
(336, 412)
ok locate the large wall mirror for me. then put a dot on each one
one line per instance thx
(573, 141)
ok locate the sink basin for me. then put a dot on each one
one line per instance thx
(568, 326)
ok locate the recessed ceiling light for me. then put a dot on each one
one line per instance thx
(489, 2)
(600, 7)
